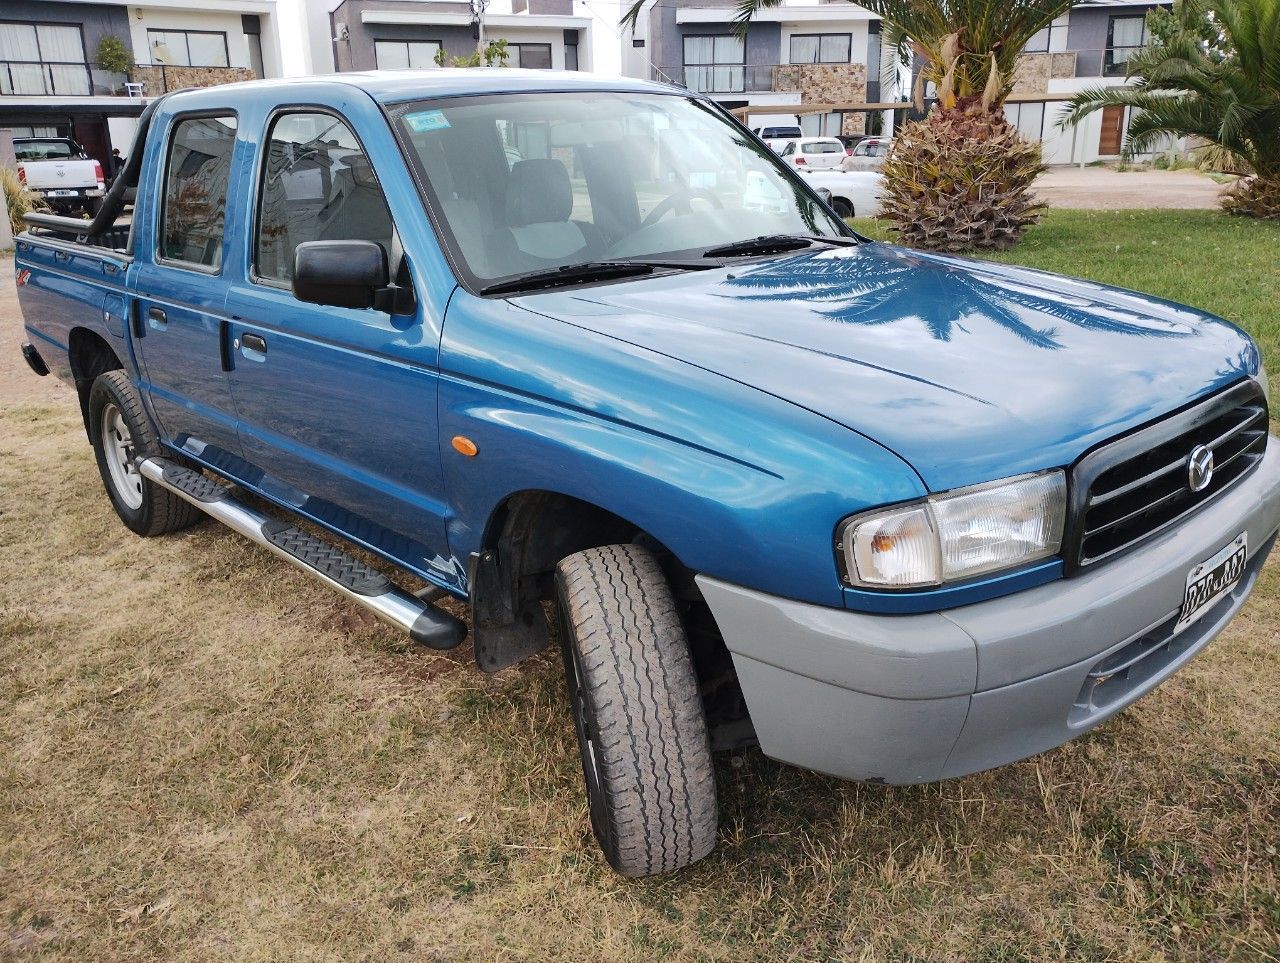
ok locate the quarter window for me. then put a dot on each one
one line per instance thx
(195, 191)
(317, 185)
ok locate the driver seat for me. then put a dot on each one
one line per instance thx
(539, 231)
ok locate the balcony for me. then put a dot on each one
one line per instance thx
(29, 78)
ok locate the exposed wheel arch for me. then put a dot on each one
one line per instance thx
(842, 206)
(90, 356)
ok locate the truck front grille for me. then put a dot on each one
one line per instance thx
(1131, 488)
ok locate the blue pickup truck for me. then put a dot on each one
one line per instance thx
(583, 353)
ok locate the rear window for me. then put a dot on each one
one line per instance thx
(775, 133)
(823, 147)
(35, 150)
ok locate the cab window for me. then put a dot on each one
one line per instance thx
(316, 185)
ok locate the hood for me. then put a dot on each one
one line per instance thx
(969, 370)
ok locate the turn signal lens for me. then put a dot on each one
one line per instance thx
(959, 534)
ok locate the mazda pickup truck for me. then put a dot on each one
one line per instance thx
(584, 353)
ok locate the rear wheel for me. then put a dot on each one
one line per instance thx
(122, 436)
(637, 710)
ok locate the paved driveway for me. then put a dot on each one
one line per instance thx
(1101, 188)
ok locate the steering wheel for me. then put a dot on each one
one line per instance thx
(680, 199)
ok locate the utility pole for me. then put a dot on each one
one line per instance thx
(477, 23)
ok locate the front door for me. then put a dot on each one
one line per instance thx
(1112, 135)
(337, 405)
(178, 318)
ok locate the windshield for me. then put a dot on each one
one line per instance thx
(32, 150)
(526, 182)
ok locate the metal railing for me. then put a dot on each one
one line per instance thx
(743, 78)
(33, 78)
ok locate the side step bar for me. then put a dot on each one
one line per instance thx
(346, 575)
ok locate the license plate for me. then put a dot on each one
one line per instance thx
(62, 193)
(1210, 580)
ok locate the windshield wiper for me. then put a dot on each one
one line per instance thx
(588, 271)
(582, 273)
(771, 243)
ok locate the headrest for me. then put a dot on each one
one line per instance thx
(538, 191)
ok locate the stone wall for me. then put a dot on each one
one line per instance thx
(827, 84)
(1033, 72)
(157, 80)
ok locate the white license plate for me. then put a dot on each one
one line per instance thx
(63, 193)
(1212, 579)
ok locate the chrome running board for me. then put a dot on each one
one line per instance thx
(320, 559)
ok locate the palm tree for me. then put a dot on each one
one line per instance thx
(1214, 74)
(961, 178)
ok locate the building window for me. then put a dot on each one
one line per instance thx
(715, 65)
(42, 58)
(1028, 118)
(188, 48)
(821, 48)
(1050, 38)
(195, 192)
(253, 38)
(532, 56)
(571, 56)
(400, 54)
(1125, 37)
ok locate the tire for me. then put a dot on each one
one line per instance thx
(633, 692)
(842, 207)
(122, 435)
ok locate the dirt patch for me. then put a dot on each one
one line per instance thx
(1101, 188)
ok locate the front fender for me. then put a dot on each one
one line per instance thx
(739, 484)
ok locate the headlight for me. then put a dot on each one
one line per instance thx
(958, 535)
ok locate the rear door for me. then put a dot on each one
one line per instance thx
(337, 405)
(179, 324)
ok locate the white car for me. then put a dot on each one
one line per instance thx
(853, 193)
(814, 153)
(868, 154)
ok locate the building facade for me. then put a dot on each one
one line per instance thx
(799, 55)
(52, 82)
(395, 34)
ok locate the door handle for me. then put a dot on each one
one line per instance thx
(254, 342)
(157, 318)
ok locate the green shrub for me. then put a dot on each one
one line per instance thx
(113, 55)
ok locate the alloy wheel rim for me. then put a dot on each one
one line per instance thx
(121, 457)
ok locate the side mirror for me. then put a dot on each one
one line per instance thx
(825, 194)
(342, 274)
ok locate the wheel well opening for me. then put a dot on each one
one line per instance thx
(90, 356)
(513, 588)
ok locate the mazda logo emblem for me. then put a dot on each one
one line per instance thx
(1200, 468)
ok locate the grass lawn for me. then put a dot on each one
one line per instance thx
(203, 757)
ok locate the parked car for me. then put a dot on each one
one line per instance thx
(896, 516)
(777, 137)
(868, 154)
(853, 193)
(59, 170)
(814, 153)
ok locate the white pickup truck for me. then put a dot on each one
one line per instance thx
(58, 169)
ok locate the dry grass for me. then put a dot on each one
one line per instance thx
(203, 759)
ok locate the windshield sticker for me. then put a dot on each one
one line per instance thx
(427, 120)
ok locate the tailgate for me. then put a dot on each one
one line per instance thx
(53, 175)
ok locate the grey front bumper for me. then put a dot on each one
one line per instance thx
(917, 698)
